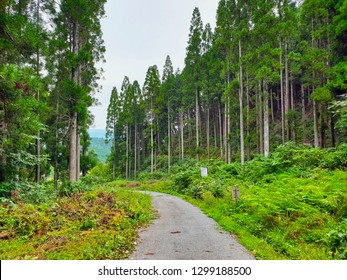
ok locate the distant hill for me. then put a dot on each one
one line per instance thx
(97, 133)
(100, 147)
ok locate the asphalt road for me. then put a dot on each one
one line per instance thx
(183, 232)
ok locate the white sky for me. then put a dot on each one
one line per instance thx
(141, 33)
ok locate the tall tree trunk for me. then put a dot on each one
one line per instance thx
(248, 120)
(225, 132)
(220, 130)
(303, 114)
(73, 146)
(78, 155)
(56, 171)
(152, 140)
(197, 116)
(169, 139)
(332, 127)
(38, 141)
(261, 122)
(114, 152)
(282, 101)
(208, 131)
(266, 122)
(315, 125)
(182, 136)
(242, 138)
(126, 151)
(286, 93)
(135, 151)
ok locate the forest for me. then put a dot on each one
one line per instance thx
(261, 101)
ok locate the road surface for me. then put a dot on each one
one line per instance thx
(182, 232)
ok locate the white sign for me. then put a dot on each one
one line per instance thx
(203, 171)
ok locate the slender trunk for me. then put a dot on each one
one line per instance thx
(228, 132)
(220, 131)
(315, 125)
(56, 172)
(272, 106)
(169, 139)
(135, 151)
(129, 151)
(78, 155)
(322, 126)
(332, 127)
(215, 123)
(114, 151)
(266, 123)
(182, 136)
(242, 138)
(38, 141)
(139, 149)
(248, 122)
(73, 145)
(292, 106)
(208, 131)
(303, 113)
(179, 138)
(261, 122)
(126, 151)
(152, 140)
(282, 101)
(197, 123)
(286, 95)
(225, 132)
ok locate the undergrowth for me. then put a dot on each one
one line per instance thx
(293, 205)
(98, 224)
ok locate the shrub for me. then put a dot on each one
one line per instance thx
(337, 241)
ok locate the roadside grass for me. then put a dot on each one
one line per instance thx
(287, 217)
(98, 224)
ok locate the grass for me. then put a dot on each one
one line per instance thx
(98, 224)
(287, 217)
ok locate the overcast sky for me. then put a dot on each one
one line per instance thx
(141, 33)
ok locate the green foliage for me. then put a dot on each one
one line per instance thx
(99, 224)
(337, 240)
(101, 172)
(291, 204)
(322, 94)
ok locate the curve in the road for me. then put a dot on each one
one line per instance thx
(183, 232)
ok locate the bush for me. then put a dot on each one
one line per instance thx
(337, 241)
(144, 176)
(101, 172)
(335, 159)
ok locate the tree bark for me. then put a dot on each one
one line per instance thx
(208, 131)
(182, 136)
(282, 101)
(135, 151)
(286, 93)
(197, 123)
(266, 123)
(126, 151)
(73, 145)
(169, 140)
(315, 125)
(242, 138)
(303, 114)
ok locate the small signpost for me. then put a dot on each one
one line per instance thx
(236, 194)
(203, 171)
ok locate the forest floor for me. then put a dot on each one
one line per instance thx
(182, 232)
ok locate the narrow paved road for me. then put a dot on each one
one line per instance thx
(183, 232)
